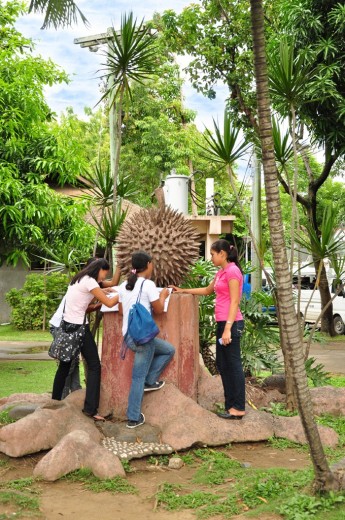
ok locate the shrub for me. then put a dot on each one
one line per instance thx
(260, 340)
(34, 304)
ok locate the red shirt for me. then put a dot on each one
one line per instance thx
(221, 288)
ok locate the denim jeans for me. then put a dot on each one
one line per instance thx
(229, 364)
(90, 354)
(149, 362)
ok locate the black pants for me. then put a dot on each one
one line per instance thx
(229, 364)
(90, 354)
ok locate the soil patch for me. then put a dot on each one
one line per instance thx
(70, 500)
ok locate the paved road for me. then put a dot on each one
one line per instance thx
(331, 355)
(12, 350)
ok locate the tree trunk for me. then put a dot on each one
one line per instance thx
(324, 479)
(326, 297)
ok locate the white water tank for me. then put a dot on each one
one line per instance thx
(176, 192)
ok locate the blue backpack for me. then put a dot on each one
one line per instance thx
(141, 326)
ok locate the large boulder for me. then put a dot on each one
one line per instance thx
(211, 393)
(184, 423)
(44, 428)
(328, 399)
(22, 399)
(338, 471)
(291, 428)
(78, 450)
(210, 390)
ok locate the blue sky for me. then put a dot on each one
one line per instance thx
(82, 65)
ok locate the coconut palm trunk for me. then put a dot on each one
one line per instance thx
(324, 479)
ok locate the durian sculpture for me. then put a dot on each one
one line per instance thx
(167, 236)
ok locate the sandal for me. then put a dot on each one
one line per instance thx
(96, 417)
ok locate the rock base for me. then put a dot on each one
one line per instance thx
(173, 422)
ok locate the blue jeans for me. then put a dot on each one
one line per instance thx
(149, 362)
(229, 364)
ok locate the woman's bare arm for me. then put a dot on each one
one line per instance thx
(108, 302)
(115, 279)
(199, 291)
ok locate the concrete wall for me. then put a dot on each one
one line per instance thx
(10, 277)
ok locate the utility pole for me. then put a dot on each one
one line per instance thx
(93, 43)
(256, 277)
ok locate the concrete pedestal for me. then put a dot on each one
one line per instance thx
(179, 326)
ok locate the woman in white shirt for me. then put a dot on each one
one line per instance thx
(152, 357)
(83, 288)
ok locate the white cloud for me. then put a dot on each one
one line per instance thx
(82, 65)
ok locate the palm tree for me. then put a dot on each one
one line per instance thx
(290, 78)
(328, 245)
(324, 478)
(58, 13)
(131, 57)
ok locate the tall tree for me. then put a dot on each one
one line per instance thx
(325, 480)
(32, 216)
(306, 85)
(217, 36)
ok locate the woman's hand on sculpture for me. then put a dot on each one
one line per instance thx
(175, 289)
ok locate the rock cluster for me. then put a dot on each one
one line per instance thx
(78, 450)
(173, 422)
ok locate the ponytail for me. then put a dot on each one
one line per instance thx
(140, 259)
(229, 249)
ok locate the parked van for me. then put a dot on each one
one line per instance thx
(310, 300)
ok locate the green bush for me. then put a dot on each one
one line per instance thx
(260, 340)
(37, 301)
(201, 274)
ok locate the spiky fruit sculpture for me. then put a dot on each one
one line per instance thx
(167, 236)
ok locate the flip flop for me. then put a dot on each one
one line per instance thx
(95, 417)
(98, 418)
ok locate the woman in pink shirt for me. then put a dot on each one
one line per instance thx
(227, 285)
(83, 288)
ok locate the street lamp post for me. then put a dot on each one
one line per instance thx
(93, 43)
(256, 225)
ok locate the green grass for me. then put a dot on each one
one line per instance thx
(10, 333)
(160, 460)
(92, 483)
(28, 376)
(5, 419)
(22, 495)
(215, 468)
(284, 444)
(325, 338)
(338, 381)
(235, 490)
(175, 497)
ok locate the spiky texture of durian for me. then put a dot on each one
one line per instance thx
(164, 234)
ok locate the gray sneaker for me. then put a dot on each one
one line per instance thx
(156, 386)
(134, 424)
